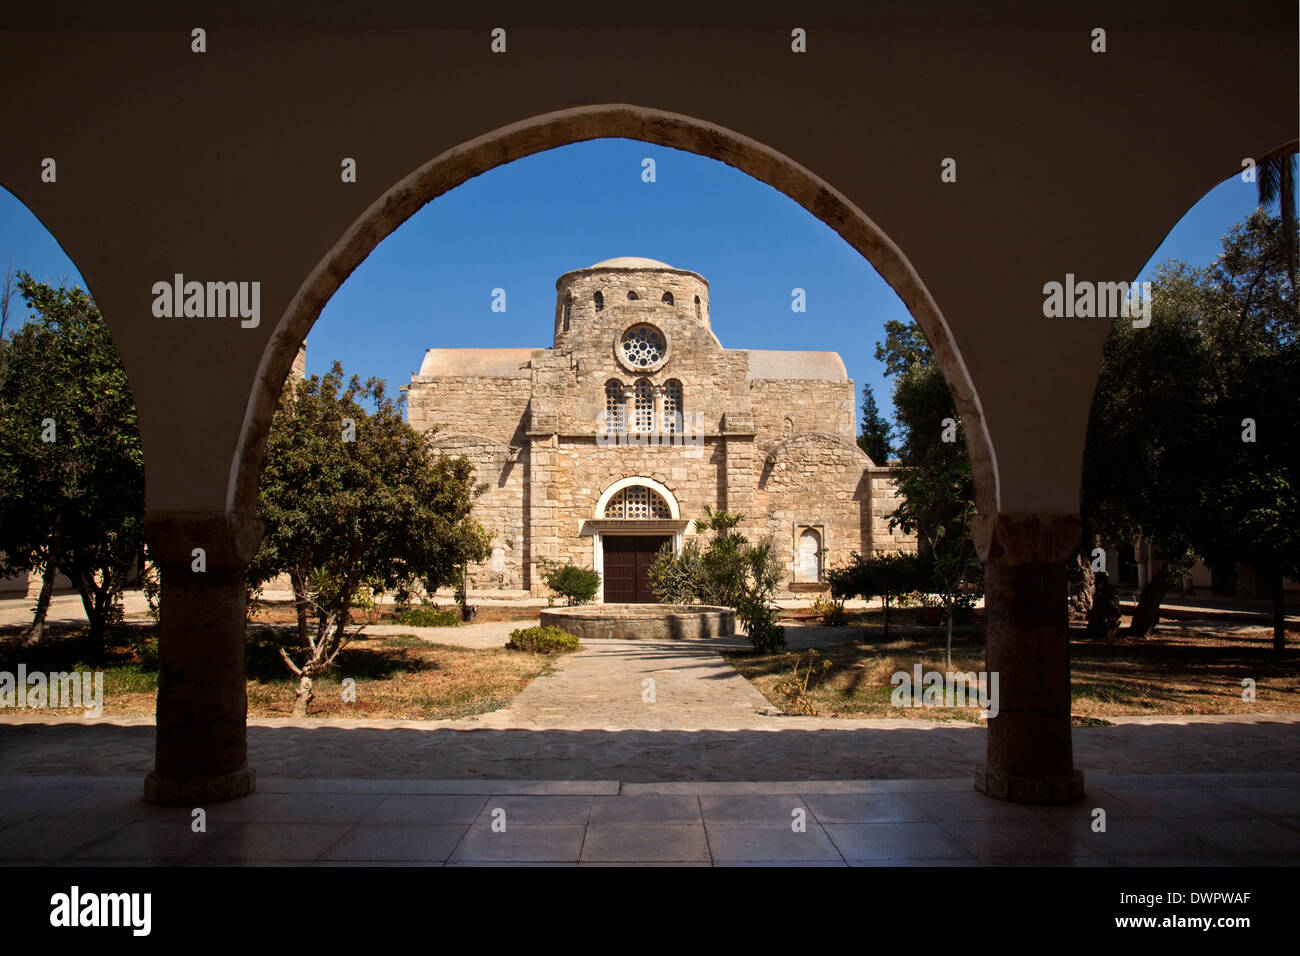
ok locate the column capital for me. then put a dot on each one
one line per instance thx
(1026, 537)
(228, 539)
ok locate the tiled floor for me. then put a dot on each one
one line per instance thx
(1152, 820)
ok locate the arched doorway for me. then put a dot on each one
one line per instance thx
(633, 520)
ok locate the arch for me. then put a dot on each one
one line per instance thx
(808, 559)
(577, 124)
(667, 299)
(598, 298)
(632, 296)
(669, 498)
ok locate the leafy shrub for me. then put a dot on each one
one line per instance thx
(577, 585)
(831, 611)
(758, 617)
(146, 652)
(730, 572)
(543, 640)
(427, 617)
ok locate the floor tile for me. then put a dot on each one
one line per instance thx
(646, 809)
(408, 843)
(272, 842)
(426, 808)
(1006, 839)
(864, 808)
(664, 842)
(760, 809)
(321, 808)
(535, 810)
(893, 841)
(521, 844)
(752, 842)
(970, 806)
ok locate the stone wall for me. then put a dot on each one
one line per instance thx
(783, 408)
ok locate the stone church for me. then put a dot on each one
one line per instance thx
(606, 446)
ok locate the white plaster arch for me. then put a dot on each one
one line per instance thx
(650, 483)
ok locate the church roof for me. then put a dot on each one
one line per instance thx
(772, 364)
(631, 262)
(482, 363)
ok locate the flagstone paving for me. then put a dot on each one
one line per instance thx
(1224, 820)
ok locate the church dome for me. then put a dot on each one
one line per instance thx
(631, 262)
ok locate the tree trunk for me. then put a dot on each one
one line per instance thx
(951, 605)
(886, 635)
(1147, 614)
(1279, 615)
(37, 630)
(300, 605)
(304, 697)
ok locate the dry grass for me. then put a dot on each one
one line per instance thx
(1178, 671)
(397, 676)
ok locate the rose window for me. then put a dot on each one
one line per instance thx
(643, 347)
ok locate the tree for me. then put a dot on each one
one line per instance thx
(71, 465)
(1165, 458)
(935, 483)
(880, 575)
(1275, 181)
(354, 498)
(1145, 458)
(874, 437)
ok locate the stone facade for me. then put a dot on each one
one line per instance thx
(637, 418)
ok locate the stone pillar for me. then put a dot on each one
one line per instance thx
(657, 425)
(201, 753)
(738, 444)
(543, 511)
(1030, 756)
(629, 410)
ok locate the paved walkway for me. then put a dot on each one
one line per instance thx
(1226, 820)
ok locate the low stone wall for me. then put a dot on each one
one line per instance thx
(627, 622)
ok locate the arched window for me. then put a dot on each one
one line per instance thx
(643, 407)
(568, 311)
(808, 560)
(637, 502)
(668, 298)
(599, 299)
(697, 307)
(673, 409)
(632, 296)
(613, 407)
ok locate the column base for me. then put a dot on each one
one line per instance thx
(197, 791)
(1001, 785)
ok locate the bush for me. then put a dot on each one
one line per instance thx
(831, 611)
(758, 618)
(730, 572)
(577, 585)
(146, 652)
(543, 640)
(427, 617)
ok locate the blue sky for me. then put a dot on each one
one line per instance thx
(520, 226)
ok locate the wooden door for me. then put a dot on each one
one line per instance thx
(627, 567)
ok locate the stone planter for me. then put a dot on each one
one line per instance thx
(628, 622)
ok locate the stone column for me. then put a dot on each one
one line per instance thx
(201, 751)
(629, 410)
(1030, 756)
(543, 516)
(657, 425)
